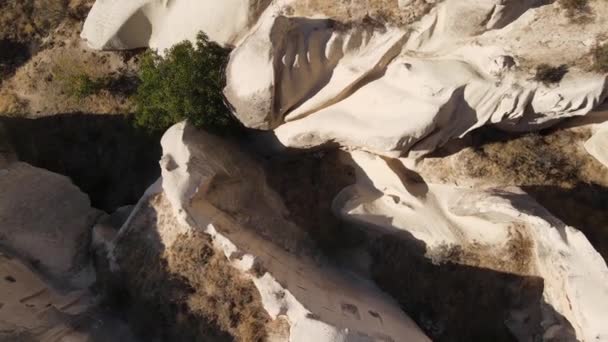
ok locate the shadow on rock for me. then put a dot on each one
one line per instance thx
(13, 54)
(584, 207)
(185, 291)
(456, 302)
(450, 300)
(105, 155)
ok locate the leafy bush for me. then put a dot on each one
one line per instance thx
(600, 58)
(548, 74)
(186, 83)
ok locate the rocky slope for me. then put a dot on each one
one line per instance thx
(45, 268)
(410, 175)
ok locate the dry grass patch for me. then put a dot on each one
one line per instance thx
(355, 10)
(10, 104)
(515, 257)
(187, 291)
(549, 74)
(600, 58)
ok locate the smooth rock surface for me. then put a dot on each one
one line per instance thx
(387, 197)
(211, 186)
(393, 90)
(45, 219)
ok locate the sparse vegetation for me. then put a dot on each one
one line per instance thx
(186, 83)
(549, 74)
(189, 286)
(600, 58)
(10, 104)
(577, 10)
(79, 80)
(82, 85)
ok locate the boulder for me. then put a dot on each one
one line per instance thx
(396, 90)
(33, 309)
(45, 219)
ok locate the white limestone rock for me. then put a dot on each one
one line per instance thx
(211, 186)
(575, 275)
(303, 64)
(45, 219)
(394, 91)
(159, 24)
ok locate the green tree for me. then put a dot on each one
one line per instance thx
(186, 83)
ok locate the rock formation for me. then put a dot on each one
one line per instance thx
(162, 23)
(213, 199)
(498, 229)
(444, 216)
(45, 219)
(382, 86)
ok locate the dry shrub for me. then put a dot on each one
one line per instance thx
(187, 291)
(549, 74)
(10, 104)
(577, 10)
(600, 58)
(356, 10)
(221, 294)
(77, 79)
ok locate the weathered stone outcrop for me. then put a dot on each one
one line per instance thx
(232, 264)
(389, 85)
(45, 219)
(45, 266)
(33, 309)
(499, 230)
(393, 90)
(162, 23)
(464, 252)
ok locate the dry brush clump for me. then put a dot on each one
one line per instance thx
(600, 58)
(356, 10)
(552, 166)
(187, 291)
(549, 74)
(75, 78)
